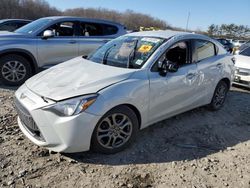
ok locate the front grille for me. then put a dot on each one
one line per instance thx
(28, 121)
(244, 82)
(243, 72)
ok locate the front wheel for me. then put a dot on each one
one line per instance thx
(14, 70)
(115, 131)
(219, 96)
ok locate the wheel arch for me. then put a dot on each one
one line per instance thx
(227, 81)
(133, 108)
(24, 53)
(136, 111)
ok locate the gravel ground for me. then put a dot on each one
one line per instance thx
(198, 148)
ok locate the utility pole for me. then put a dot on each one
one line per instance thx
(187, 21)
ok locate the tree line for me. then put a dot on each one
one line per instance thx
(34, 9)
(229, 30)
(26, 9)
(132, 20)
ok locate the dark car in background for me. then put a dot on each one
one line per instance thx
(227, 44)
(49, 41)
(12, 24)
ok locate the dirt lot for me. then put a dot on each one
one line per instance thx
(199, 148)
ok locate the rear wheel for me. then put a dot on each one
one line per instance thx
(14, 70)
(219, 97)
(115, 131)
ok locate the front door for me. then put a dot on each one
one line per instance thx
(62, 47)
(175, 92)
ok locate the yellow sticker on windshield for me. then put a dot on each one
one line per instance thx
(145, 48)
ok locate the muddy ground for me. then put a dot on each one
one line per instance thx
(198, 149)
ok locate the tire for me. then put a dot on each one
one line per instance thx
(104, 134)
(14, 70)
(219, 96)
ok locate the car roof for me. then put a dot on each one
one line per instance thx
(83, 19)
(7, 20)
(166, 34)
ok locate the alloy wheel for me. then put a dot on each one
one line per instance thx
(13, 71)
(220, 95)
(114, 131)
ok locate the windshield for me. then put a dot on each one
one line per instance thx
(126, 51)
(245, 52)
(33, 26)
(244, 46)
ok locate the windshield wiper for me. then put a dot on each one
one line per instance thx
(106, 54)
(132, 53)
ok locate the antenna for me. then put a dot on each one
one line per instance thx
(188, 20)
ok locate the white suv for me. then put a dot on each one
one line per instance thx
(126, 85)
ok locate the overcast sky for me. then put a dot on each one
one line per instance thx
(175, 12)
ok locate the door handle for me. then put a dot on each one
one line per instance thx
(72, 42)
(190, 76)
(105, 41)
(219, 65)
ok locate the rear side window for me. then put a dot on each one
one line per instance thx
(21, 24)
(109, 29)
(203, 49)
(96, 29)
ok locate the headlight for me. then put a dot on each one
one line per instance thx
(72, 106)
(236, 70)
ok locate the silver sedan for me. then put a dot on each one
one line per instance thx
(136, 80)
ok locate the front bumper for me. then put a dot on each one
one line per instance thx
(44, 128)
(242, 80)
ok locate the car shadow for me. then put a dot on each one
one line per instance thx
(12, 88)
(191, 135)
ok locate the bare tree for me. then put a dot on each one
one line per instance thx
(29, 9)
(34, 9)
(129, 18)
(229, 30)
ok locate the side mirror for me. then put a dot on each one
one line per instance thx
(162, 67)
(48, 34)
(167, 66)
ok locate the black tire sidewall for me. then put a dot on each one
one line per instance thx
(212, 105)
(22, 60)
(97, 147)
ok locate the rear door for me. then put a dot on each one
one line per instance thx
(62, 47)
(94, 35)
(209, 67)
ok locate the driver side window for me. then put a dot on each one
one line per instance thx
(177, 53)
(63, 29)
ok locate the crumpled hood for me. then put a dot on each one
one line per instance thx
(74, 78)
(242, 61)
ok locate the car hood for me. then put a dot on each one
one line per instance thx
(7, 35)
(242, 61)
(74, 78)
